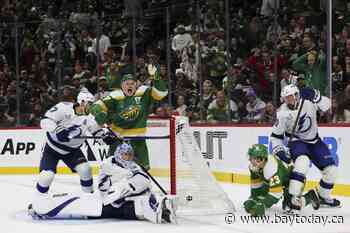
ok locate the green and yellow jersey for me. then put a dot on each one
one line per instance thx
(268, 184)
(128, 114)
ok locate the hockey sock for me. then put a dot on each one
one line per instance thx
(86, 185)
(325, 189)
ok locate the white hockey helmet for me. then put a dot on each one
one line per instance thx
(85, 96)
(288, 90)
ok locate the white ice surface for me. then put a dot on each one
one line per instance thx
(17, 191)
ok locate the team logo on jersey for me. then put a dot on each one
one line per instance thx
(131, 113)
(137, 100)
(304, 123)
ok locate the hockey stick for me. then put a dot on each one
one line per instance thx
(295, 123)
(153, 179)
(135, 138)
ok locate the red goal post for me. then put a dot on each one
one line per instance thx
(191, 180)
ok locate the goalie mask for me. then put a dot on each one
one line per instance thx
(124, 155)
(290, 95)
(257, 156)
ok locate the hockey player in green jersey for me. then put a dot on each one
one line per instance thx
(126, 111)
(269, 179)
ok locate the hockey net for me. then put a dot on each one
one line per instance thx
(191, 180)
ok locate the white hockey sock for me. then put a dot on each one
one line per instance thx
(86, 186)
(296, 184)
(325, 190)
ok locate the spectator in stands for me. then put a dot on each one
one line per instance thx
(269, 115)
(35, 117)
(104, 44)
(103, 90)
(269, 7)
(222, 109)
(313, 66)
(263, 63)
(287, 78)
(5, 119)
(255, 107)
(308, 44)
(181, 40)
(181, 107)
(339, 77)
(338, 115)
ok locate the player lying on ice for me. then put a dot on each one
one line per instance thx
(269, 178)
(124, 193)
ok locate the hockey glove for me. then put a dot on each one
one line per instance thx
(282, 154)
(310, 94)
(255, 208)
(64, 135)
(110, 138)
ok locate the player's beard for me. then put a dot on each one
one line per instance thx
(293, 106)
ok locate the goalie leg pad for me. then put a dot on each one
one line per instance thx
(65, 206)
(85, 172)
(45, 179)
(149, 208)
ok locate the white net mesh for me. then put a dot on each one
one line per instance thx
(197, 190)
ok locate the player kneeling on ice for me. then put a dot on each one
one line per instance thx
(269, 178)
(124, 193)
(305, 144)
(64, 124)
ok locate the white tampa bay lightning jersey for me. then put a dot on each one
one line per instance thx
(306, 130)
(62, 116)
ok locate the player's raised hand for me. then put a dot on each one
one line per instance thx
(310, 94)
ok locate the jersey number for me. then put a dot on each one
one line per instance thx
(275, 180)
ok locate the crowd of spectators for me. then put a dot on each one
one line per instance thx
(212, 77)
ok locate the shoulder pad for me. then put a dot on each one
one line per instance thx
(117, 94)
(141, 91)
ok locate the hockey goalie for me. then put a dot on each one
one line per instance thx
(124, 192)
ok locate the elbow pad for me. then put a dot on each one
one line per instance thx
(48, 125)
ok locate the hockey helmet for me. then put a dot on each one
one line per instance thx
(258, 151)
(288, 90)
(85, 96)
